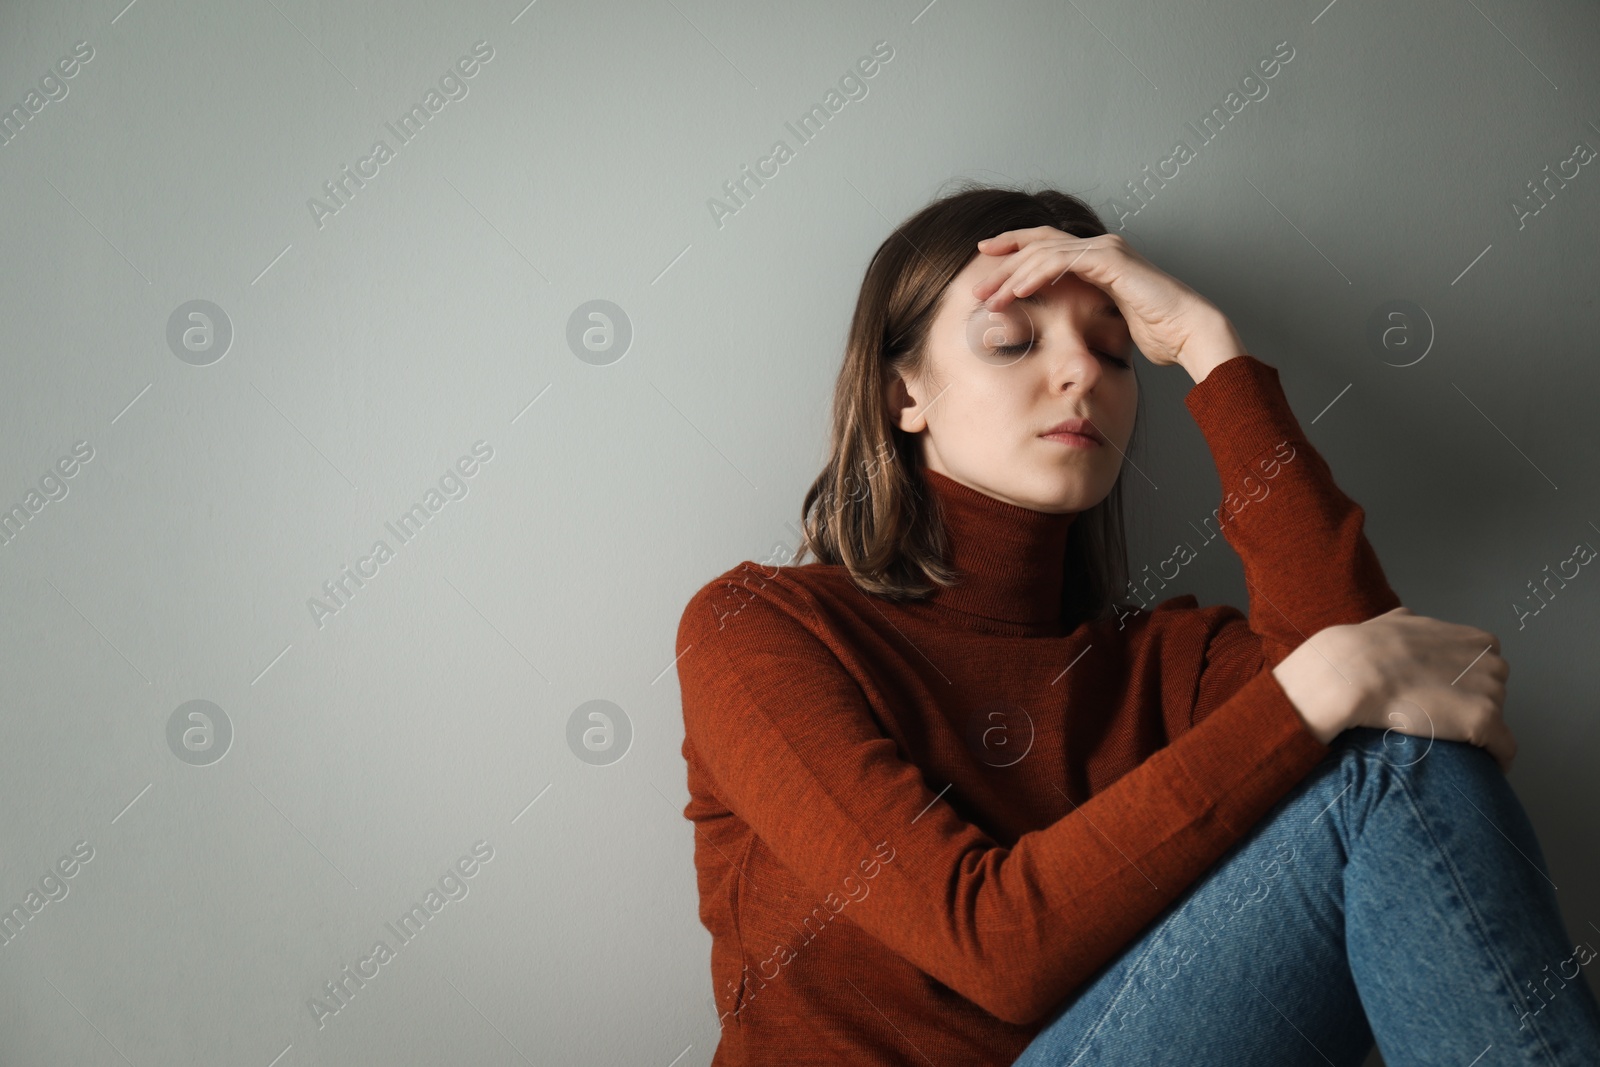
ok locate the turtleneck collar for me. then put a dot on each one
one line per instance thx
(1012, 559)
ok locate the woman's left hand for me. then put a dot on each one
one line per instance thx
(1166, 319)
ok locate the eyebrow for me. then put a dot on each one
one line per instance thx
(1106, 309)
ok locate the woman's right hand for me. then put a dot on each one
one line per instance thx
(1404, 672)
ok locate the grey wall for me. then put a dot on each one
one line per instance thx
(232, 456)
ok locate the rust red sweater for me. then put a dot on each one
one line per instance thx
(921, 826)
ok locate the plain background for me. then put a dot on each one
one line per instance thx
(436, 707)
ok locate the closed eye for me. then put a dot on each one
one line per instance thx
(1023, 346)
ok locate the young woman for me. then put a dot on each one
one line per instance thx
(965, 793)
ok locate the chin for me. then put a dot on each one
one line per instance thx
(1056, 494)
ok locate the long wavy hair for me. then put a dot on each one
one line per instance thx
(870, 509)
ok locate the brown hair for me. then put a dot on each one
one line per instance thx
(876, 517)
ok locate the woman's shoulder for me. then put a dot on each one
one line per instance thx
(763, 590)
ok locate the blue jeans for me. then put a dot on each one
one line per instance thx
(1396, 895)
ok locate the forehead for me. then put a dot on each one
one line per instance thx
(1100, 305)
(1067, 290)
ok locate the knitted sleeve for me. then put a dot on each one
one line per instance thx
(1307, 562)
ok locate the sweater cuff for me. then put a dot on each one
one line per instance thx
(1241, 410)
(1250, 752)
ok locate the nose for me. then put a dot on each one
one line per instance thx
(1076, 363)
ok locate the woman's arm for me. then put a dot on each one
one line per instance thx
(790, 740)
(1307, 562)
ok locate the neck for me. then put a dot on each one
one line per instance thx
(1011, 559)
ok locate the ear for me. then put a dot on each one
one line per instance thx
(904, 409)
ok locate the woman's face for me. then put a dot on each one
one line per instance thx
(996, 382)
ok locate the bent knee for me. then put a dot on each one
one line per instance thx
(1411, 754)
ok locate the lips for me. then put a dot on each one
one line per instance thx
(1082, 427)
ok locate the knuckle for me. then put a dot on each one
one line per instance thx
(1474, 733)
(1482, 729)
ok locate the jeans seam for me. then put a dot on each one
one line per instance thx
(1472, 909)
(1122, 992)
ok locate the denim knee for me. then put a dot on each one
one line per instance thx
(1406, 750)
(1377, 757)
